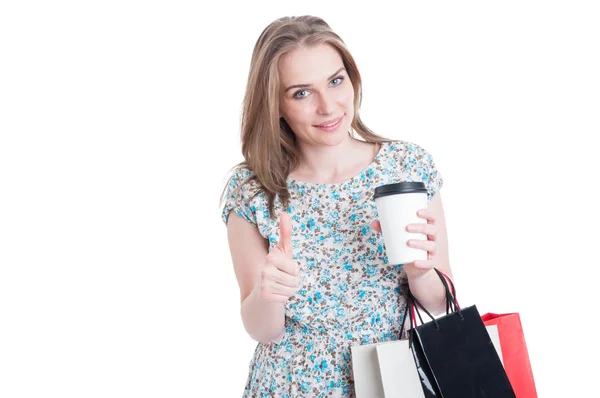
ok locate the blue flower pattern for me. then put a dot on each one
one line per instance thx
(350, 294)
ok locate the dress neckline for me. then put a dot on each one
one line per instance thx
(374, 162)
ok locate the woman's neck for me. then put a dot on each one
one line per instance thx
(330, 164)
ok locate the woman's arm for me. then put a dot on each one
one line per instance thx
(263, 320)
(427, 287)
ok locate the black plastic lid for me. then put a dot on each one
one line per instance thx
(401, 187)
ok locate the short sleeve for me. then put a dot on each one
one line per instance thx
(426, 170)
(238, 197)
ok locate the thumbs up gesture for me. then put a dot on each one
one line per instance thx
(279, 279)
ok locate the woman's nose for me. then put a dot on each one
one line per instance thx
(326, 104)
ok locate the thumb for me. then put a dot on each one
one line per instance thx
(376, 225)
(285, 233)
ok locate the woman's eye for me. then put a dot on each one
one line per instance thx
(299, 97)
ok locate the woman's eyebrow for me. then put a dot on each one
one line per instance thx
(308, 85)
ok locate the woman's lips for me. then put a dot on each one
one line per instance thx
(331, 127)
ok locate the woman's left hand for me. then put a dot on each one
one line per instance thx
(420, 267)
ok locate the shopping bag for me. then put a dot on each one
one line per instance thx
(385, 370)
(388, 369)
(399, 377)
(365, 369)
(454, 354)
(514, 352)
(398, 371)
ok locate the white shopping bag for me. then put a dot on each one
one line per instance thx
(495, 336)
(365, 368)
(388, 370)
(399, 375)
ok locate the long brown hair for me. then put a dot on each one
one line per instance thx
(268, 142)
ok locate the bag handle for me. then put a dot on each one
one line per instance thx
(451, 303)
(409, 312)
(450, 294)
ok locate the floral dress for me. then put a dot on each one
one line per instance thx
(349, 294)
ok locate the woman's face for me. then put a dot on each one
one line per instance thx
(315, 89)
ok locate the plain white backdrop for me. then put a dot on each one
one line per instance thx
(119, 122)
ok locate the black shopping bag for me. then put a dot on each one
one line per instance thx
(454, 353)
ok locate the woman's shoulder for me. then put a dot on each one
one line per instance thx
(241, 193)
(402, 145)
(242, 179)
(241, 173)
(417, 164)
(401, 149)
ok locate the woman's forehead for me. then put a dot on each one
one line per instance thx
(309, 65)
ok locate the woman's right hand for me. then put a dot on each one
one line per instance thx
(279, 279)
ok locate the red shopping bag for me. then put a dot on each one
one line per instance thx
(514, 352)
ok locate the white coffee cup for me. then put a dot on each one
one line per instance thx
(397, 205)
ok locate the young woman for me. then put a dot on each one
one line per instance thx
(301, 222)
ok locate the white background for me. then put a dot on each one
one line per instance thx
(119, 121)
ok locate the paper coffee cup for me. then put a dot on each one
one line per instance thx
(397, 205)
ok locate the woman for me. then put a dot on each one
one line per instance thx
(314, 279)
